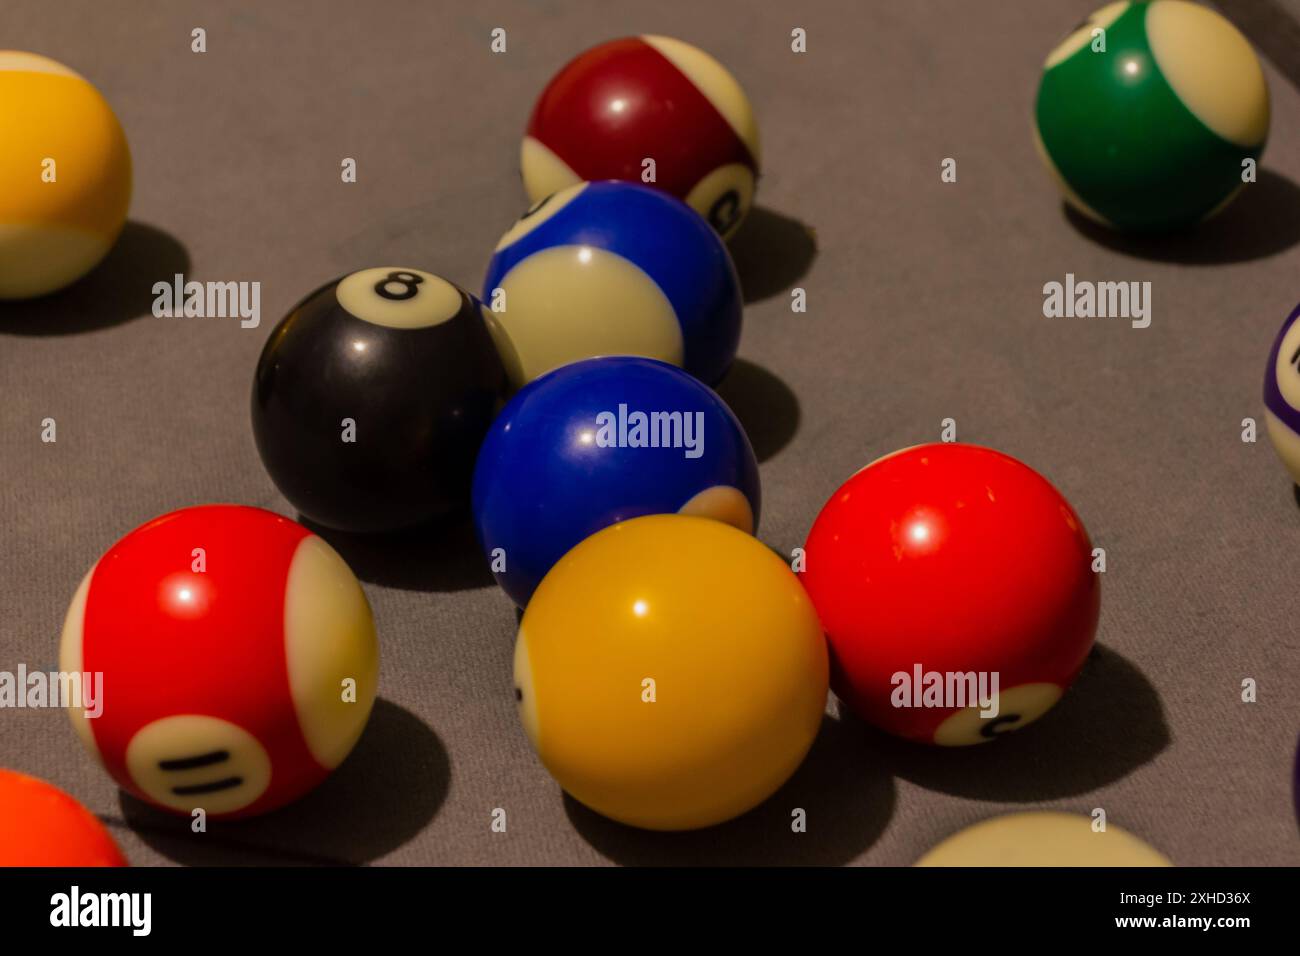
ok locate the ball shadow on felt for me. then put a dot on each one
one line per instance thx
(772, 252)
(385, 792)
(439, 556)
(848, 801)
(767, 407)
(117, 290)
(1108, 724)
(1262, 221)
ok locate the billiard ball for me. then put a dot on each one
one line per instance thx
(372, 396)
(1282, 394)
(643, 98)
(238, 656)
(65, 176)
(595, 443)
(1295, 782)
(951, 563)
(1042, 838)
(613, 269)
(1152, 132)
(670, 672)
(40, 825)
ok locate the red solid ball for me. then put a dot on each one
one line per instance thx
(959, 562)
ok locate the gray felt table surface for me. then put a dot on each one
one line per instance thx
(925, 302)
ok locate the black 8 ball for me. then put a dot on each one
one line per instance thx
(372, 397)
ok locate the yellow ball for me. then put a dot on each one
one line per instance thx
(1042, 838)
(65, 176)
(671, 672)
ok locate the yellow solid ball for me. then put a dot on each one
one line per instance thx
(65, 176)
(671, 672)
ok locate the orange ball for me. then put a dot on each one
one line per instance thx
(40, 825)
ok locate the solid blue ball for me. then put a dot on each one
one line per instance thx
(611, 268)
(598, 442)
